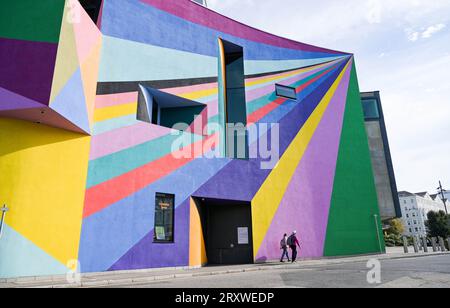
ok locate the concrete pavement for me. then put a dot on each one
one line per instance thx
(180, 276)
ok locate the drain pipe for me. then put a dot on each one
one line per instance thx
(4, 209)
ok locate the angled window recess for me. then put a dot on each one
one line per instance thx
(232, 102)
(92, 7)
(164, 109)
(286, 92)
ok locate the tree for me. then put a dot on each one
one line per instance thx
(438, 224)
(393, 234)
(396, 227)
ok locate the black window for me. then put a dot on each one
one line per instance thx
(164, 109)
(285, 91)
(92, 7)
(234, 108)
(164, 218)
(370, 108)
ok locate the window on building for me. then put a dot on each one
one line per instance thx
(407, 215)
(285, 91)
(410, 230)
(370, 107)
(164, 218)
(92, 7)
(232, 103)
(164, 109)
(417, 230)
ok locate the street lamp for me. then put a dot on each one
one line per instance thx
(441, 192)
(3, 210)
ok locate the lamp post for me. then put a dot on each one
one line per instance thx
(3, 210)
(441, 192)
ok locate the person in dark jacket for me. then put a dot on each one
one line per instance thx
(284, 248)
(293, 243)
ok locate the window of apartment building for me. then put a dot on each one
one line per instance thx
(410, 230)
(407, 215)
(164, 218)
(417, 230)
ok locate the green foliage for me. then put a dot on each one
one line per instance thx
(393, 240)
(438, 224)
(396, 227)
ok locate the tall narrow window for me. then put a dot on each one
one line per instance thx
(232, 100)
(164, 218)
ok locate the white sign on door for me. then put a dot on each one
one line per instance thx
(243, 238)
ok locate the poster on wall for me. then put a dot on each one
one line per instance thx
(243, 238)
(160, 233)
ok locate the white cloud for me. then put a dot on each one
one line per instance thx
(412, 35)
(374, 11)
(412, 78)
(425, 33)
(430, 31)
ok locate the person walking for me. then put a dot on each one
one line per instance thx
(293, 243)
(284, 248)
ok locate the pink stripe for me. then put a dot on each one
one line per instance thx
(199, 15)
(109, 100)
(123, 138)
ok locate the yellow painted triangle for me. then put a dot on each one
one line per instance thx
(67, 58)
(268, 198)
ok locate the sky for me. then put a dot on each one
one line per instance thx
(402, 49)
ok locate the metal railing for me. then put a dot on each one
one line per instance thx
(425, 244)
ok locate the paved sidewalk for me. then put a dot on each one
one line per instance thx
(141, 277)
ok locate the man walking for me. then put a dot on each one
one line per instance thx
(293, 243)
(284, 248)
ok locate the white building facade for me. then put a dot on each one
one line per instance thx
(415, 208)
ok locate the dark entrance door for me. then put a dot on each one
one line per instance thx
(228, 232)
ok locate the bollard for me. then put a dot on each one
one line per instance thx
(416, 245)
(405, 244)
(425, 244)
(433, 243)
(442, 244)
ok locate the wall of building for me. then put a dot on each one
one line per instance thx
(415, 211)
(44, 171)
(173, 46)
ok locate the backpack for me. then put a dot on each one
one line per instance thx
(283, 243)
(290, 241)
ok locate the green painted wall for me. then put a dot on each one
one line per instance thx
(351, 227)
(31, 20)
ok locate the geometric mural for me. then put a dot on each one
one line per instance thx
(70, 103)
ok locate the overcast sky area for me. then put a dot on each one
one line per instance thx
(402, 48)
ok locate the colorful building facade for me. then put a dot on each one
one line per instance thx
(90, 163)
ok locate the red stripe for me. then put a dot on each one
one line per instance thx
(101, 196)
(262, 112)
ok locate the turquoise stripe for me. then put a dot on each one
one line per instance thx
(114, 165)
